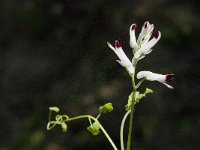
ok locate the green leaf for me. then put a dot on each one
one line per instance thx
(140, 96)
(148, 91)
(129, 104)
(64, 126)
(106, 108)
(94, 128)
(56, 109)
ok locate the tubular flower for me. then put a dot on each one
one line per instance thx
(164, 79)
(123, 59)
(143, 45)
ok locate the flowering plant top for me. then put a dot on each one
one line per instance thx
(140, 47)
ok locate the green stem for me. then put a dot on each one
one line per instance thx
(101, 127)
(98, 116)
(128, 147)
(49, 115)
(122, 129)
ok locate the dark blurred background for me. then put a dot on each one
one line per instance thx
(54, 53)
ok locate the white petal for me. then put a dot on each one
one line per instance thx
(133, 60)
(122, 56)
(118, 48)
(116, 52)
(132, 42)
(151, 76)
(146, 47)
(143, 32)
(128, 66)
(120, 53)
(154, 40)
(111, 47)
(124, 61)
(169, 86)
(145, 74)
(139, 55)
(147, 35)
(131, 69)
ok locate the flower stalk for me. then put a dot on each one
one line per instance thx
(128, 147)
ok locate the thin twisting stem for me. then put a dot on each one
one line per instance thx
(101, 127)
(49, 115)
(122, 129)
(98, 116)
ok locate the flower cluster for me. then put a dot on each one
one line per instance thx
(141, 47)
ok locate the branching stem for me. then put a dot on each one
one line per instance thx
(101, 127)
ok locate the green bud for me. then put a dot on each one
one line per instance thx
(56, 109)
(106, 108)
(94, 128)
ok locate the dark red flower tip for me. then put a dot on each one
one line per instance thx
(169, 77)
(133, 27)
(145, 25)
(156, 35)
(118, 43)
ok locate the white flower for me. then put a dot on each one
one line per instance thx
(143, 44)
(156, 77)
(124, 61)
